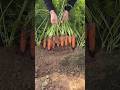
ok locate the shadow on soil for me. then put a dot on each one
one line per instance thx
(16, 70)
(104, 73)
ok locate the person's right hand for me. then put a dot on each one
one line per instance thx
(65, 16)
(53, 17)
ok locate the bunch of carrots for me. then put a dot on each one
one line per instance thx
(59, 35)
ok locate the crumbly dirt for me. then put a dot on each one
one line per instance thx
(60, 69)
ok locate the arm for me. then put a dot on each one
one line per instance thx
(49, 4)
(70, 4)
(53, 15)
(68, 7)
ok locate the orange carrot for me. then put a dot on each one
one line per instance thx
(53, 42)
(62, 41)
(22, 41)
(66, 40)
(91, 36)
(73, 41)
(69, 40)
(57, 41)
(58, 44)
(44, 43)
(32, 43)
(49, 43)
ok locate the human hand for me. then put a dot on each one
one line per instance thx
(53, 17)
(65, 16)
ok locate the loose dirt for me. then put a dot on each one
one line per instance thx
(60, 69)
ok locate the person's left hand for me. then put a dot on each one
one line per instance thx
(65, 16)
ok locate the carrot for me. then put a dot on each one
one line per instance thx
(91, 36)
(69, 40)
(44, 43)
(58, 44)
(57, 41)
(62, 41)
(53, 45)
(49, 43)
(66, 40)
(22, 41)
(73, 41)
(32, 43)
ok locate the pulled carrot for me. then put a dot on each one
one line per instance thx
(53, 42)
(69, 40)
(62, 41)
(66, 40)
(53, 45)
(49, 43)
(73, 41)
(57, 41)
(58, 44)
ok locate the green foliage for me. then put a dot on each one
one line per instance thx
(11, 17)
(106, 15)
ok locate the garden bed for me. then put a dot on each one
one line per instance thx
(60, 69)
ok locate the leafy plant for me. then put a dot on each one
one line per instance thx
(8, 31)
(106, 22)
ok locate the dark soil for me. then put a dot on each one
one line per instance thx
(104, 73)
(16, 70)
(57, 69)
